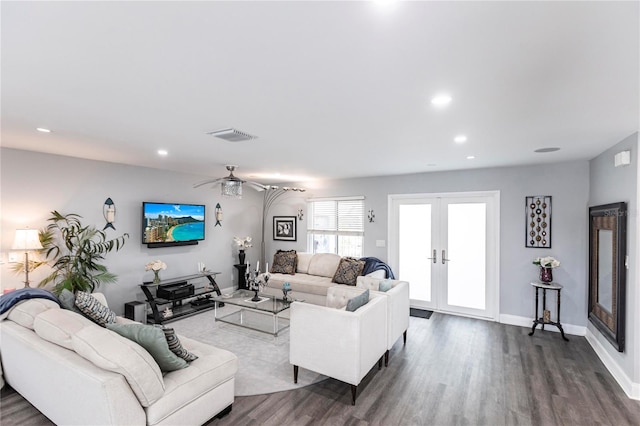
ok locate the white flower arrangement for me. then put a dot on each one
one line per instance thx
(546, 262)
(155, 265)
(243, 243)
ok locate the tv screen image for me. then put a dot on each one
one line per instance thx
(172, 223)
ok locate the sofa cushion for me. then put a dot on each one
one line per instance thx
(213, 367)
(110, 351)
(303, 262)
(152, 339)
(58, 325)
(93, 309)
(349, 269)
(301, 283)
(175, 345)
(25, 312)
(284, 262)
(358, 301)
(324, 264)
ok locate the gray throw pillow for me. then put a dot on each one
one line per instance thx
(358, 301)
(153, 340)
(385, 285)
(68, 301)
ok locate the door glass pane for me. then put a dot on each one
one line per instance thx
(414, 248)
(466, 271)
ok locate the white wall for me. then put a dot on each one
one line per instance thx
(609, 184)
(567, 183)
(34, 184)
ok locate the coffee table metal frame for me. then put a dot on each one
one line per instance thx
(269, 306)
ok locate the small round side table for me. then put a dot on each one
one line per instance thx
(546, 317)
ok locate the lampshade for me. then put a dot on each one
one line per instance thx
(26, 239)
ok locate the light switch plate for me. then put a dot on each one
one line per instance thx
(381, 243)
(13, 257)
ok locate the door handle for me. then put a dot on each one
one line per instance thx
(444, 258)
(434, 256)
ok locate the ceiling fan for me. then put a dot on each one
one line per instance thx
(231, 185)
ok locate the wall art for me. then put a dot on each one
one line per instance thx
(538, 221)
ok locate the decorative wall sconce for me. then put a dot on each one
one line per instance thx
(371, 216)
(218, 215)
(300, 214)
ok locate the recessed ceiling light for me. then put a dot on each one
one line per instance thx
(541, 150)
(441, 100)
(163, 152)
(460, 139)
(43, 130)
(471, 157)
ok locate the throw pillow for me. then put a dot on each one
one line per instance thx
(153, 340)
(284, 262)
(94, 310)
(68, 301)
(349, 269)
(358, 301)
(385, 285)
(176, 347)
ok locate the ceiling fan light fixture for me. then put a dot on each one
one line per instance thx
(231, 188)
(232, 135)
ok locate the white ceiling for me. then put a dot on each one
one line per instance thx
(332, 89)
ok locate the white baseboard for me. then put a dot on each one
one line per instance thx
(575, 330)
(628, 386)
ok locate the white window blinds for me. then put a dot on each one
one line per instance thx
(336, 226)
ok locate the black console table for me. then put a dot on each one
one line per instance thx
(186, 287)
(546, 315)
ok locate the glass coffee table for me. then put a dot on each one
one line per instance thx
(252, 314)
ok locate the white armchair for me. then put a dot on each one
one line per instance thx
(397, 308)
(339, 344)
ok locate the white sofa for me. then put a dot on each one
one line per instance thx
(313, 277)
(397, 308)
(339, 344)
(76, 372)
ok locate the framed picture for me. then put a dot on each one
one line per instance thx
(284, 228)
(538, 221)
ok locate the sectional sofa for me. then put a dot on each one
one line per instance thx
(77, 372)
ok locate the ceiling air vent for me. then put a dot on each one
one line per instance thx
(232, 135)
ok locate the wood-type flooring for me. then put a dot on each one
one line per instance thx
(453, 371)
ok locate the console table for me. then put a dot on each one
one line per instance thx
(546, 316)
(201, 296)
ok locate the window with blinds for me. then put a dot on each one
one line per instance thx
(336, 226)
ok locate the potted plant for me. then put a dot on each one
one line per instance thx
(74, 252)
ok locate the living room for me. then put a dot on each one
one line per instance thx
(38, 177)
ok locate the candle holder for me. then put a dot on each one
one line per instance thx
(286, 289)
(256, 282)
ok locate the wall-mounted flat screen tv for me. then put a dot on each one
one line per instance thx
(172, 224)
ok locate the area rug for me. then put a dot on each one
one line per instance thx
(263, 360)
(420, 313)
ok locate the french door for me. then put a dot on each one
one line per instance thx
(447, 247)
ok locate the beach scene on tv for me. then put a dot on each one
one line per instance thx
(173, 222)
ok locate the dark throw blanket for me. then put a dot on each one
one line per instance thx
(7, 301)
(374, 264)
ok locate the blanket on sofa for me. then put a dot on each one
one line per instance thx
(9, 300)
(374, 264)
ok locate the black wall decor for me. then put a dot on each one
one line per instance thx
(538, 221)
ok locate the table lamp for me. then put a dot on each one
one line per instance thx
(26, 239)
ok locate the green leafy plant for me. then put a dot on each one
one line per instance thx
(74, 252)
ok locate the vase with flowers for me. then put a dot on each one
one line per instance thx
(156, 266)
(242, 243)
(546, 265)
